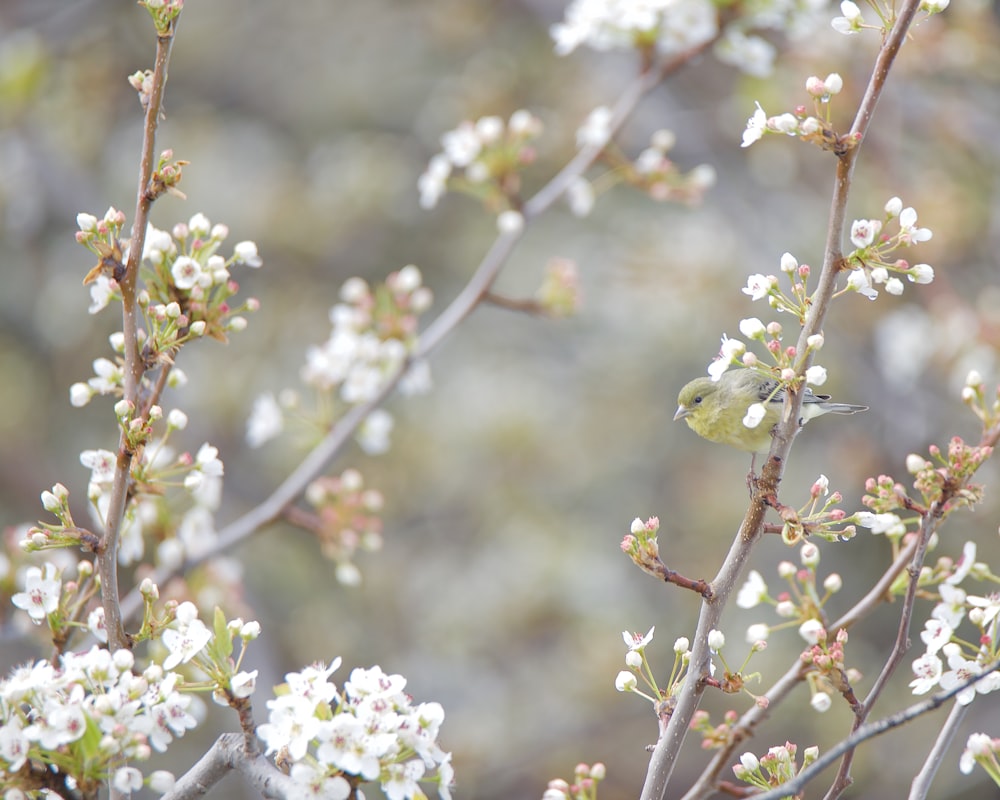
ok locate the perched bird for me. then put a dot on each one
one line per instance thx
(715, 409)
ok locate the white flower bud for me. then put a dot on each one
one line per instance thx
(752, 328)
(816, 375)
(758, 633)
(80, 394)
(50, 502)
(894, 286)
(834, 83)
(625, 681)
(750, 762)
(785, 609)
(510, 222)
(86, 222)
(820, 702)
(812, 630)
(815, 86)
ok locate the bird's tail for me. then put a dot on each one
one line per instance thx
(843, 408)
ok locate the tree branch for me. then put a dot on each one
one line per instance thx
(865, 732)
(922, 782)
(107, 556)
(668, 747)
(228, 754)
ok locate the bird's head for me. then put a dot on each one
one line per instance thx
(693, 395)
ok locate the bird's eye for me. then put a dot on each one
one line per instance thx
(697, 400)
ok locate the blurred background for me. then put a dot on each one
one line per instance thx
(501, 590)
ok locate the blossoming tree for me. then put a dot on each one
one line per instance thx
(132, 653)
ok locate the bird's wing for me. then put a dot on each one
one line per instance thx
(767, 386)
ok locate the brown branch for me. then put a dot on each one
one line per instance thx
(107, 557)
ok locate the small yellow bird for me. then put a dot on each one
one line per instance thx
(715, 409)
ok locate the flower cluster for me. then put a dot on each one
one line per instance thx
(560, 294)
(974, 397)
(826, 672)
(163, 12)
(786, 361)
(641, 545)
(775, 768)
(483, 159)
(815, 519)
(715, 737)
(187, 284)
(652, 172)
(815, 128)
(346, 520)
(852, 22)
(983, 750)
(373, 336)
(869, 261)
(664, 26)
(966, 656)
(801, 604)
(82, 715)
(638, 666)
(670, 27)
(942, 480)
(586, 777)
(371, 731)
(150, 512)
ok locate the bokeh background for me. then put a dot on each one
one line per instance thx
(501, 590)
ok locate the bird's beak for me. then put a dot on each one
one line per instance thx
(682, 411)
